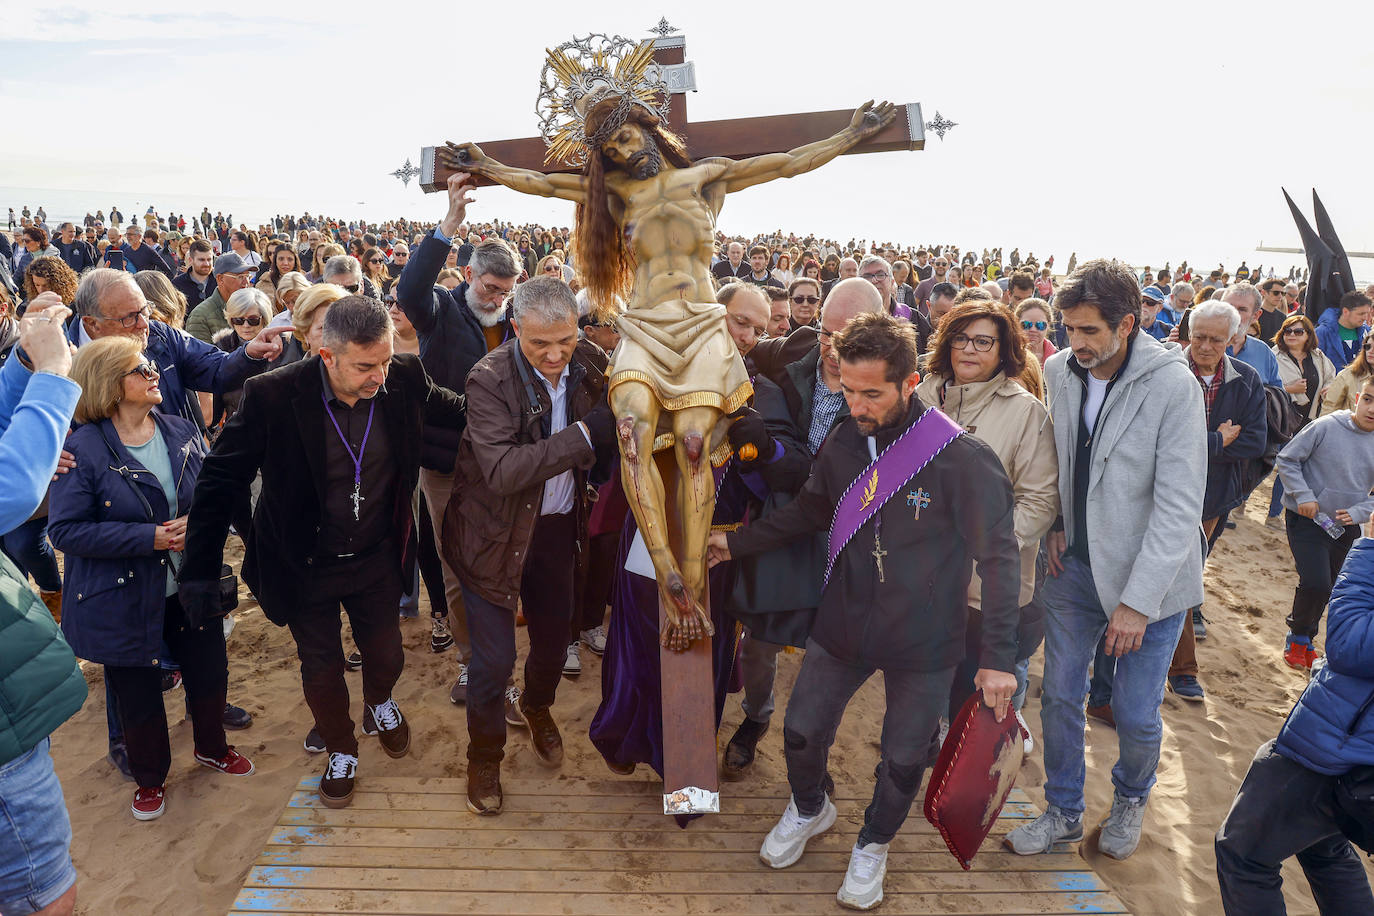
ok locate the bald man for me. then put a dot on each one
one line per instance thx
(815, 404)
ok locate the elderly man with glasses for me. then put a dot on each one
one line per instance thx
(878, 271)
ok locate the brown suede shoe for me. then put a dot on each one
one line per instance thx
(1102, 714)
(544, 737)
(484, 786)
(53, 602)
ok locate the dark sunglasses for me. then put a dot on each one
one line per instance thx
(376, 261)
(1294, 332)
(251, 320)
(806, 299)
(1038, 325)
(145, 369)
(351, 287)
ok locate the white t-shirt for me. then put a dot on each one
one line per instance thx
(1097, 393)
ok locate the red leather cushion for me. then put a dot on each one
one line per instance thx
(971, 780)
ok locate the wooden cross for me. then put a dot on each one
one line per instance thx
(736, 138)
(690, 781)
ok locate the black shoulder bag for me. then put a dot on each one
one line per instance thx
(228, 582)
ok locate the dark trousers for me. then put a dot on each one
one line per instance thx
(28, 548)
(138, 696)
(546, 595)
(595, 578)
(369, 588)
(431, 570)
(1284, 809)
(909, 744)
(1319, 558)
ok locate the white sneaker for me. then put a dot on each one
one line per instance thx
(594, 639)
(786, 842)
(863, 882)
(572, 663)
(1027, 743)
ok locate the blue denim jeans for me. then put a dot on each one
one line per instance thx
(30, 550)
(35, 834)
(1074, 622)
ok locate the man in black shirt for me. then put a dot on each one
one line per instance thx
(337, 440)
(758, 273)
(196, 282)
(79, 256)
(142, 256)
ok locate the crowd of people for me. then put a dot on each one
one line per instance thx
(381, 410)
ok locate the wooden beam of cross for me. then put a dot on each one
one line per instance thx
(735, 138)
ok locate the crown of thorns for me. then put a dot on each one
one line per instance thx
(584, 71)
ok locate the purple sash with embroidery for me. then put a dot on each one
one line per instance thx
(880, 481)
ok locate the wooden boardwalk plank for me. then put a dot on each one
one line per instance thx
(755, 825)
(615, 788)
(698, 862)
(757, 880)
(532, 903)
(767, 808)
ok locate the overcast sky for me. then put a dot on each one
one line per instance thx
(1157, 135)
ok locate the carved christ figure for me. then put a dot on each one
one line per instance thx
(645, 230)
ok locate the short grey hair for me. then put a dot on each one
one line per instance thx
(356, 320)
(248, 300)
(343, 265)
(993, 289)
(546, 300)
(1243, 289)
(872, 259)
(495, 258)
(1182, 289)
(95, 283)
(1212, 310)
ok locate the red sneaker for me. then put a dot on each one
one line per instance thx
(233, 763)
(1297, 654)
(1313, 653)
(149, 803)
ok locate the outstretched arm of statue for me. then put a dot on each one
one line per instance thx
(468, 157)
(868, 120)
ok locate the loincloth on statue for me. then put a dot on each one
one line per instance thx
(683, 352)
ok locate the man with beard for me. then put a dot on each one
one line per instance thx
(1126, 557)
(455, 329)
(865, 623)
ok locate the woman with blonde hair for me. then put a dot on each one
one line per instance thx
(119, 518)
(550, 266)
(450, 278)
(307, 316)
(288, 290)
(168, 304)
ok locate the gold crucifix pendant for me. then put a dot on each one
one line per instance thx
(878, 554)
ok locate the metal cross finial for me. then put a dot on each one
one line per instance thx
(406, 172)
(941, 125)
(663, 28)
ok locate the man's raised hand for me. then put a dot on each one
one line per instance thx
(42, 336)
(267, 345)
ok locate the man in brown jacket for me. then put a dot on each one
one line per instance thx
(537, 421)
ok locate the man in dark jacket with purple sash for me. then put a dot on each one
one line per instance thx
(913, 504)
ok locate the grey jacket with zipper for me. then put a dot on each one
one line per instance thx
(1146, 481)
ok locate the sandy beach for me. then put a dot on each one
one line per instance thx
(194, 858)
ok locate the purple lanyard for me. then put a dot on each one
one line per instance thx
(357, 458)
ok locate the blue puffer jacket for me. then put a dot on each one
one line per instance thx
(1329, 339)
(1331, 729)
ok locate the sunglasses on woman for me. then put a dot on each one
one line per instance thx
(145, 369)
(1038, 325)
(811, 300)
(1295, 332)
(251, 320)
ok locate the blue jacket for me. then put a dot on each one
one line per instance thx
(1257, 355)
(41, 685)
(115, 588)
(189, 365)
(1331, 729)
(451, 340)
(1329, 339)
(1240, 400)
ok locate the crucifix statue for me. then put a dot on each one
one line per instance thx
(645, 227)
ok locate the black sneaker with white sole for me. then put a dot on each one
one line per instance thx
(440, 638)
(313, 742)
(390, 727)
(336, 784)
